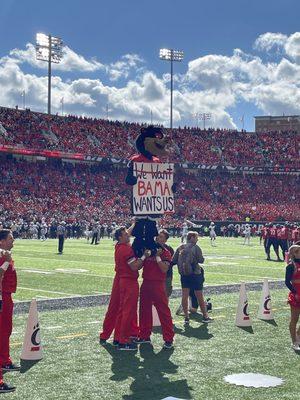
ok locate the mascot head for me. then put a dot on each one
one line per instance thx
(151, 142)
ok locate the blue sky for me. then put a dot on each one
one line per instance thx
(113, 58)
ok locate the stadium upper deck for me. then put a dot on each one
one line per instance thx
(97, 137)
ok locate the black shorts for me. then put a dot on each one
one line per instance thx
(194, 282)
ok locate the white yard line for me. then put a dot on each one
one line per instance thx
(221, 263)
(233, 256)
(59, 260)
(244, 276)
(269, 267)
(67, 272)
(52, 327)
(53, 252)
(93, 322)
(49, 291)
(39, 271)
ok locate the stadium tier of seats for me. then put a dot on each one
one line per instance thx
(53, 189)
(97, 137)
(36, 190)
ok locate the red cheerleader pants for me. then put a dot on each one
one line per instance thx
(154, 292)
(5, 328)
(127, 313)
(110, 319)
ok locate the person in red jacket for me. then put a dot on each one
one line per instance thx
(110, 319)
(127, 266)
(272, 241)
(8, 286)
(283, 233)
(122, 312)
(153, 292)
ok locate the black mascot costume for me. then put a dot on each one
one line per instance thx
(151, 144)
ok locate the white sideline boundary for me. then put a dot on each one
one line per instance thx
(103, 299)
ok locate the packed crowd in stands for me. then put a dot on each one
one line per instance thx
(98, 137)
(78, 194)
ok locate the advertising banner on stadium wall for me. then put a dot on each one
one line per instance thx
(119, 161)
(153, 193)
(43, 153)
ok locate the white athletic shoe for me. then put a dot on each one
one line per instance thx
(296, 346)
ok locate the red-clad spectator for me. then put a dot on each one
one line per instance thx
(8, 287)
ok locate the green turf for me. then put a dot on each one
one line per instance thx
(86, 269)
(76, 367)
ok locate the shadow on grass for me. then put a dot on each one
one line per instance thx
(270, 322)
(148, 370)
(247, 329)
(201, 332)
(124, 363)
(26, 365)
(196, 317)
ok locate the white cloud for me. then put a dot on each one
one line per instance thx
(123, 67)
(270, 41)
(272, 87)
(71, 61)
(292, 46)
(287, 71)
(219, 72)
(133, 101)
(276, 98)
(214, 83)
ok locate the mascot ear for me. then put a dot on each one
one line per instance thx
(130, 178)
(140, 144)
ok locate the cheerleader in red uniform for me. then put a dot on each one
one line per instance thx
(292, 281)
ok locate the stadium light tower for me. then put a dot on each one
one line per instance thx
(171, 55)
(48, 48)
(205, 117)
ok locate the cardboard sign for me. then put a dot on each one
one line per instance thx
(152, 193)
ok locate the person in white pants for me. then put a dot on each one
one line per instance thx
(212, 233)
(247, 234)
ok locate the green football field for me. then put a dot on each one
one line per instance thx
(76, 367)
(86, 269)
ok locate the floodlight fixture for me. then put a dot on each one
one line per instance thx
(62, 101)
(23, 95)
(171, 55)
(49, 48)
(204, 117)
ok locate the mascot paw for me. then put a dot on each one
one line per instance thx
(131, 180)
(153, 252)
